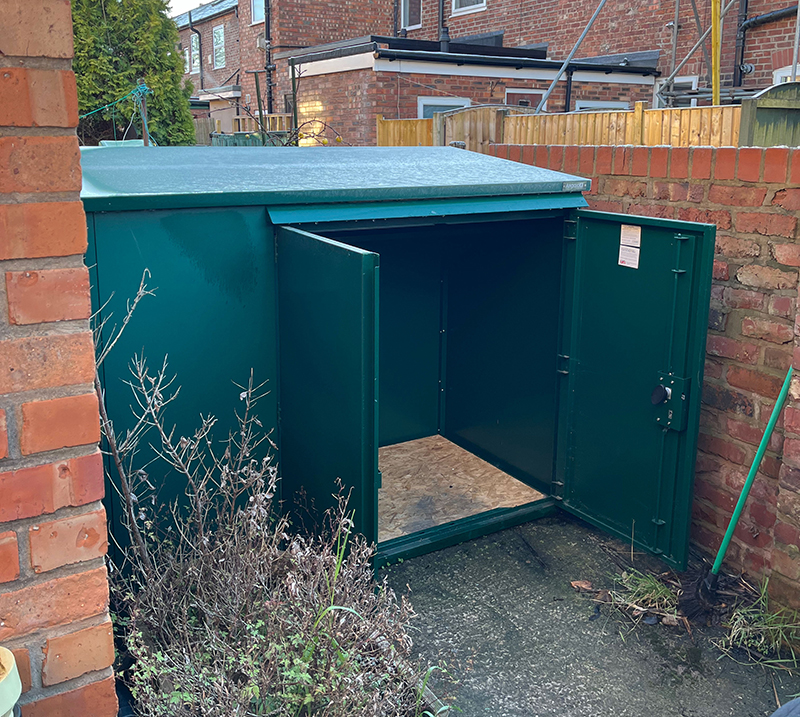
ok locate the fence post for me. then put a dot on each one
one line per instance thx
(499, 126)
(378, 121)
(638, 122)
(438, 129)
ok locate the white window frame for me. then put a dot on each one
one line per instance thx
(187, 61)
(404, 16)
(686, 79)
(442, 101)
(610, 105)
(524, 91)
(784, 74)
(253, 5)
(215, 46)
(194, 44)
(475, 7)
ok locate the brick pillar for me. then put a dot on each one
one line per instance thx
(53, 581)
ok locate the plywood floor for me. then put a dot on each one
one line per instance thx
(432, 481)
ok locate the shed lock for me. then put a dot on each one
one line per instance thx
(670, 399)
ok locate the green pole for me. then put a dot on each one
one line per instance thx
(294, 100)
(260, 110)
(762, 447)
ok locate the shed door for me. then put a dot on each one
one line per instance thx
(328, 338)
(632, 353)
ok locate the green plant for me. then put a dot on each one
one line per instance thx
(228, 611)
(767, 635)
(642, 593)
(116, 43)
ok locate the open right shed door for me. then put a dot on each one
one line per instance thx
(631, 358)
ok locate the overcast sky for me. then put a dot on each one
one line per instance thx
(176, 7)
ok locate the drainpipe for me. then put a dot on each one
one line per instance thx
(756, 21)
(739, 54)
(444, 33)
(395, 22)
(268, 66)
(568, 92)
(199, 47)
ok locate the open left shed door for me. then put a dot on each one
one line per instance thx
(328, 340)
(632, 352)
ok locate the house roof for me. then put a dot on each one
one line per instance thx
(205, 12)
(162, 177)
(397, 48)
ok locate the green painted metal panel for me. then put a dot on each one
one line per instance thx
(631, 328)
(213, 315)
(502, 330)
(328, 328)
(173, 177)
(411, 294)
(432, 208)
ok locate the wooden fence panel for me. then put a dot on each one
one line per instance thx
(405, 133)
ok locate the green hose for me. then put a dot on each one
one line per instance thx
(762, 447)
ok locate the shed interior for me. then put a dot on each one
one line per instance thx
(469, 321)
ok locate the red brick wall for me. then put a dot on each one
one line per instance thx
(753, 196)
(211, 77)
(350, 101)
(622, 26)
(53, 586)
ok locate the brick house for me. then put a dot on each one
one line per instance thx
(209, 43)
(630, 48)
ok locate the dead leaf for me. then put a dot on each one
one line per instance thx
(670, 620)
(604, 596)
(582, 585)
(638, 611)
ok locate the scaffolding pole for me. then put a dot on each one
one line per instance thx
(560, 73)
(716, 50)
(696, 47)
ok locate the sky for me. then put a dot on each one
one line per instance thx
(176, 7)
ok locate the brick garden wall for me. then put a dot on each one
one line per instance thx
(53, 586)
(753, 196)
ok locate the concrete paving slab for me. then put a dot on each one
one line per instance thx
(517, 638)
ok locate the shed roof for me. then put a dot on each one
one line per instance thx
(161, 177)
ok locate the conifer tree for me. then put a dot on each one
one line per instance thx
(117, 42)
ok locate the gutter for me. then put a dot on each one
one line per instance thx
(754, 22)
(515, 62)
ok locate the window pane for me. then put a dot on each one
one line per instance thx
(428, 110)
(461, 4)
(195, 53)
(187, 67)
(412, 13)
(219, 46)
(258, 10)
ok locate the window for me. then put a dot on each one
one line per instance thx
(601, 105)
(524, 98)
(680, 84)
(784, 75)
(411, 11)
(195, 53)
(257, 8)
(187, 64)
(461, 7)
(218, 35)
(426, 106)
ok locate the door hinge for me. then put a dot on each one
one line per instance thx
(564, 359)
(570, 229)
(379, 478)
(683, 237)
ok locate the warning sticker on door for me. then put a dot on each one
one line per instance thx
(630, 242)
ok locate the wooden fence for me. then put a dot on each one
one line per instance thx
(405, 133)
(203, 127)
(478, 127)
(272, 123)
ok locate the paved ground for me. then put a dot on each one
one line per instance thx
(517, 638)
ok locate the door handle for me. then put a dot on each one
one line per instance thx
(661, 394)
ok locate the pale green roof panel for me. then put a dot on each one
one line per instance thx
(173, 177)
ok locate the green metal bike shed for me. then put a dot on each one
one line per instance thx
(416, 304)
